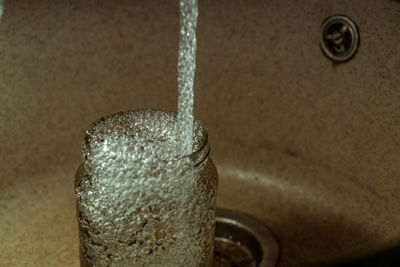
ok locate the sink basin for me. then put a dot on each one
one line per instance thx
(307, 147)
(309, 218)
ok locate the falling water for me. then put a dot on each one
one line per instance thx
(186, 70)
(1, 7)
(138, 206)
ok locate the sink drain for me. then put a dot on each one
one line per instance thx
(241, 241)
(339, 38)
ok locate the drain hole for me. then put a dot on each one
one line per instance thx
(232, 254)
(241, 241)
(339, 38)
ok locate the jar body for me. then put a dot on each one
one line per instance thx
(172, 225)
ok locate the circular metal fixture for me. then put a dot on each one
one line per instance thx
(339, 38)
(242, 241)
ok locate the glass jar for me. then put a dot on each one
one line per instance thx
(131, 217)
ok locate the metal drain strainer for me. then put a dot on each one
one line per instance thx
(241, 241)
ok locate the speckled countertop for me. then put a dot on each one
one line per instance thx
(294, 198)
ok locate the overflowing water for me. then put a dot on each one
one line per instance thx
(137, 205)
(141, 201)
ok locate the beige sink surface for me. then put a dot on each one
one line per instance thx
(307, 147)
(309, 215)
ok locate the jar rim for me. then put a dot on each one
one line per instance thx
(152, 123)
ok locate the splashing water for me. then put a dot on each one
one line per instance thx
(186, 70)
(138, 206)
(140, 202)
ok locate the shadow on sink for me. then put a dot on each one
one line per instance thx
(317, 222)
(386, 258)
